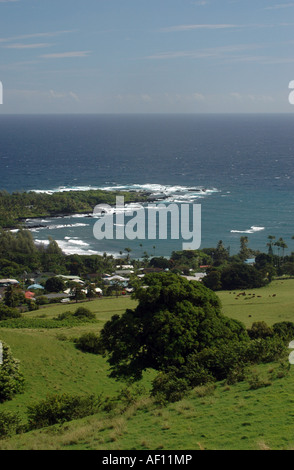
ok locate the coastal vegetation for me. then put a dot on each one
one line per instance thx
(18, 206)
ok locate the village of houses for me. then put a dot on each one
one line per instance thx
(33, 284)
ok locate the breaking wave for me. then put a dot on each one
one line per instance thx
(252, 229)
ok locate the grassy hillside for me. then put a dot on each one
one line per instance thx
(272, 304)
(225, 417)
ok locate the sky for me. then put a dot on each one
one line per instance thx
(146, 56)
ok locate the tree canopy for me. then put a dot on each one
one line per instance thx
(174, 319)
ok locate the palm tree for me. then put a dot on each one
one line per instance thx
(283, 245)
(278, 245)
(271, 239)
(128, 250)
(244, 250)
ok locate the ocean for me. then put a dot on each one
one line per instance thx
(239, 168)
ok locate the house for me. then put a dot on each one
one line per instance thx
(8, 282)
(125, 266)
(196, 277)
(124, 272)
(116, 279)
(71, 278)
(29, 295)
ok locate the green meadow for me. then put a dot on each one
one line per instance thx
(272, 304)
(233, 417)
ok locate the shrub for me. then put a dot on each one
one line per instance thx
(205, 390)
(42, 300)
(285, 330)
(62, 408)
(129, 395)
(167, 386)
(237, 374)
(260, 329)
(32, 305)
(10, 424)
(256, 382)
(264, 350)
(8, 312)
(83, 312)
(89, 342)
(194, 373)
(64, 316)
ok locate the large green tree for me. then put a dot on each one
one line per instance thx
(11, 378)
(174, 319)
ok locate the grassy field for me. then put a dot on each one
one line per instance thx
(234, 417)
(272, 304)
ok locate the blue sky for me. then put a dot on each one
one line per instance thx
(146, 56)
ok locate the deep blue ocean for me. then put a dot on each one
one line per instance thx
(244, 165)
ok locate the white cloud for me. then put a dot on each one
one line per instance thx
(63, 55)
(35, 35)
(251, 98)
(180, 54)
(27, 46)
(200, 3)
(236, 95)
(146, 98)
(190, 27)
(280, 6)
(224, 26)
(64, 95)
(216, 52)
(198, 97)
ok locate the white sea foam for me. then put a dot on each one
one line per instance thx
(252, 229)
(78, 216)
(148, 187)
(77, 242)
(75, 246)
(78, 247)
(57, 227)
(42, 242)
(61, 189)
(70, 246)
